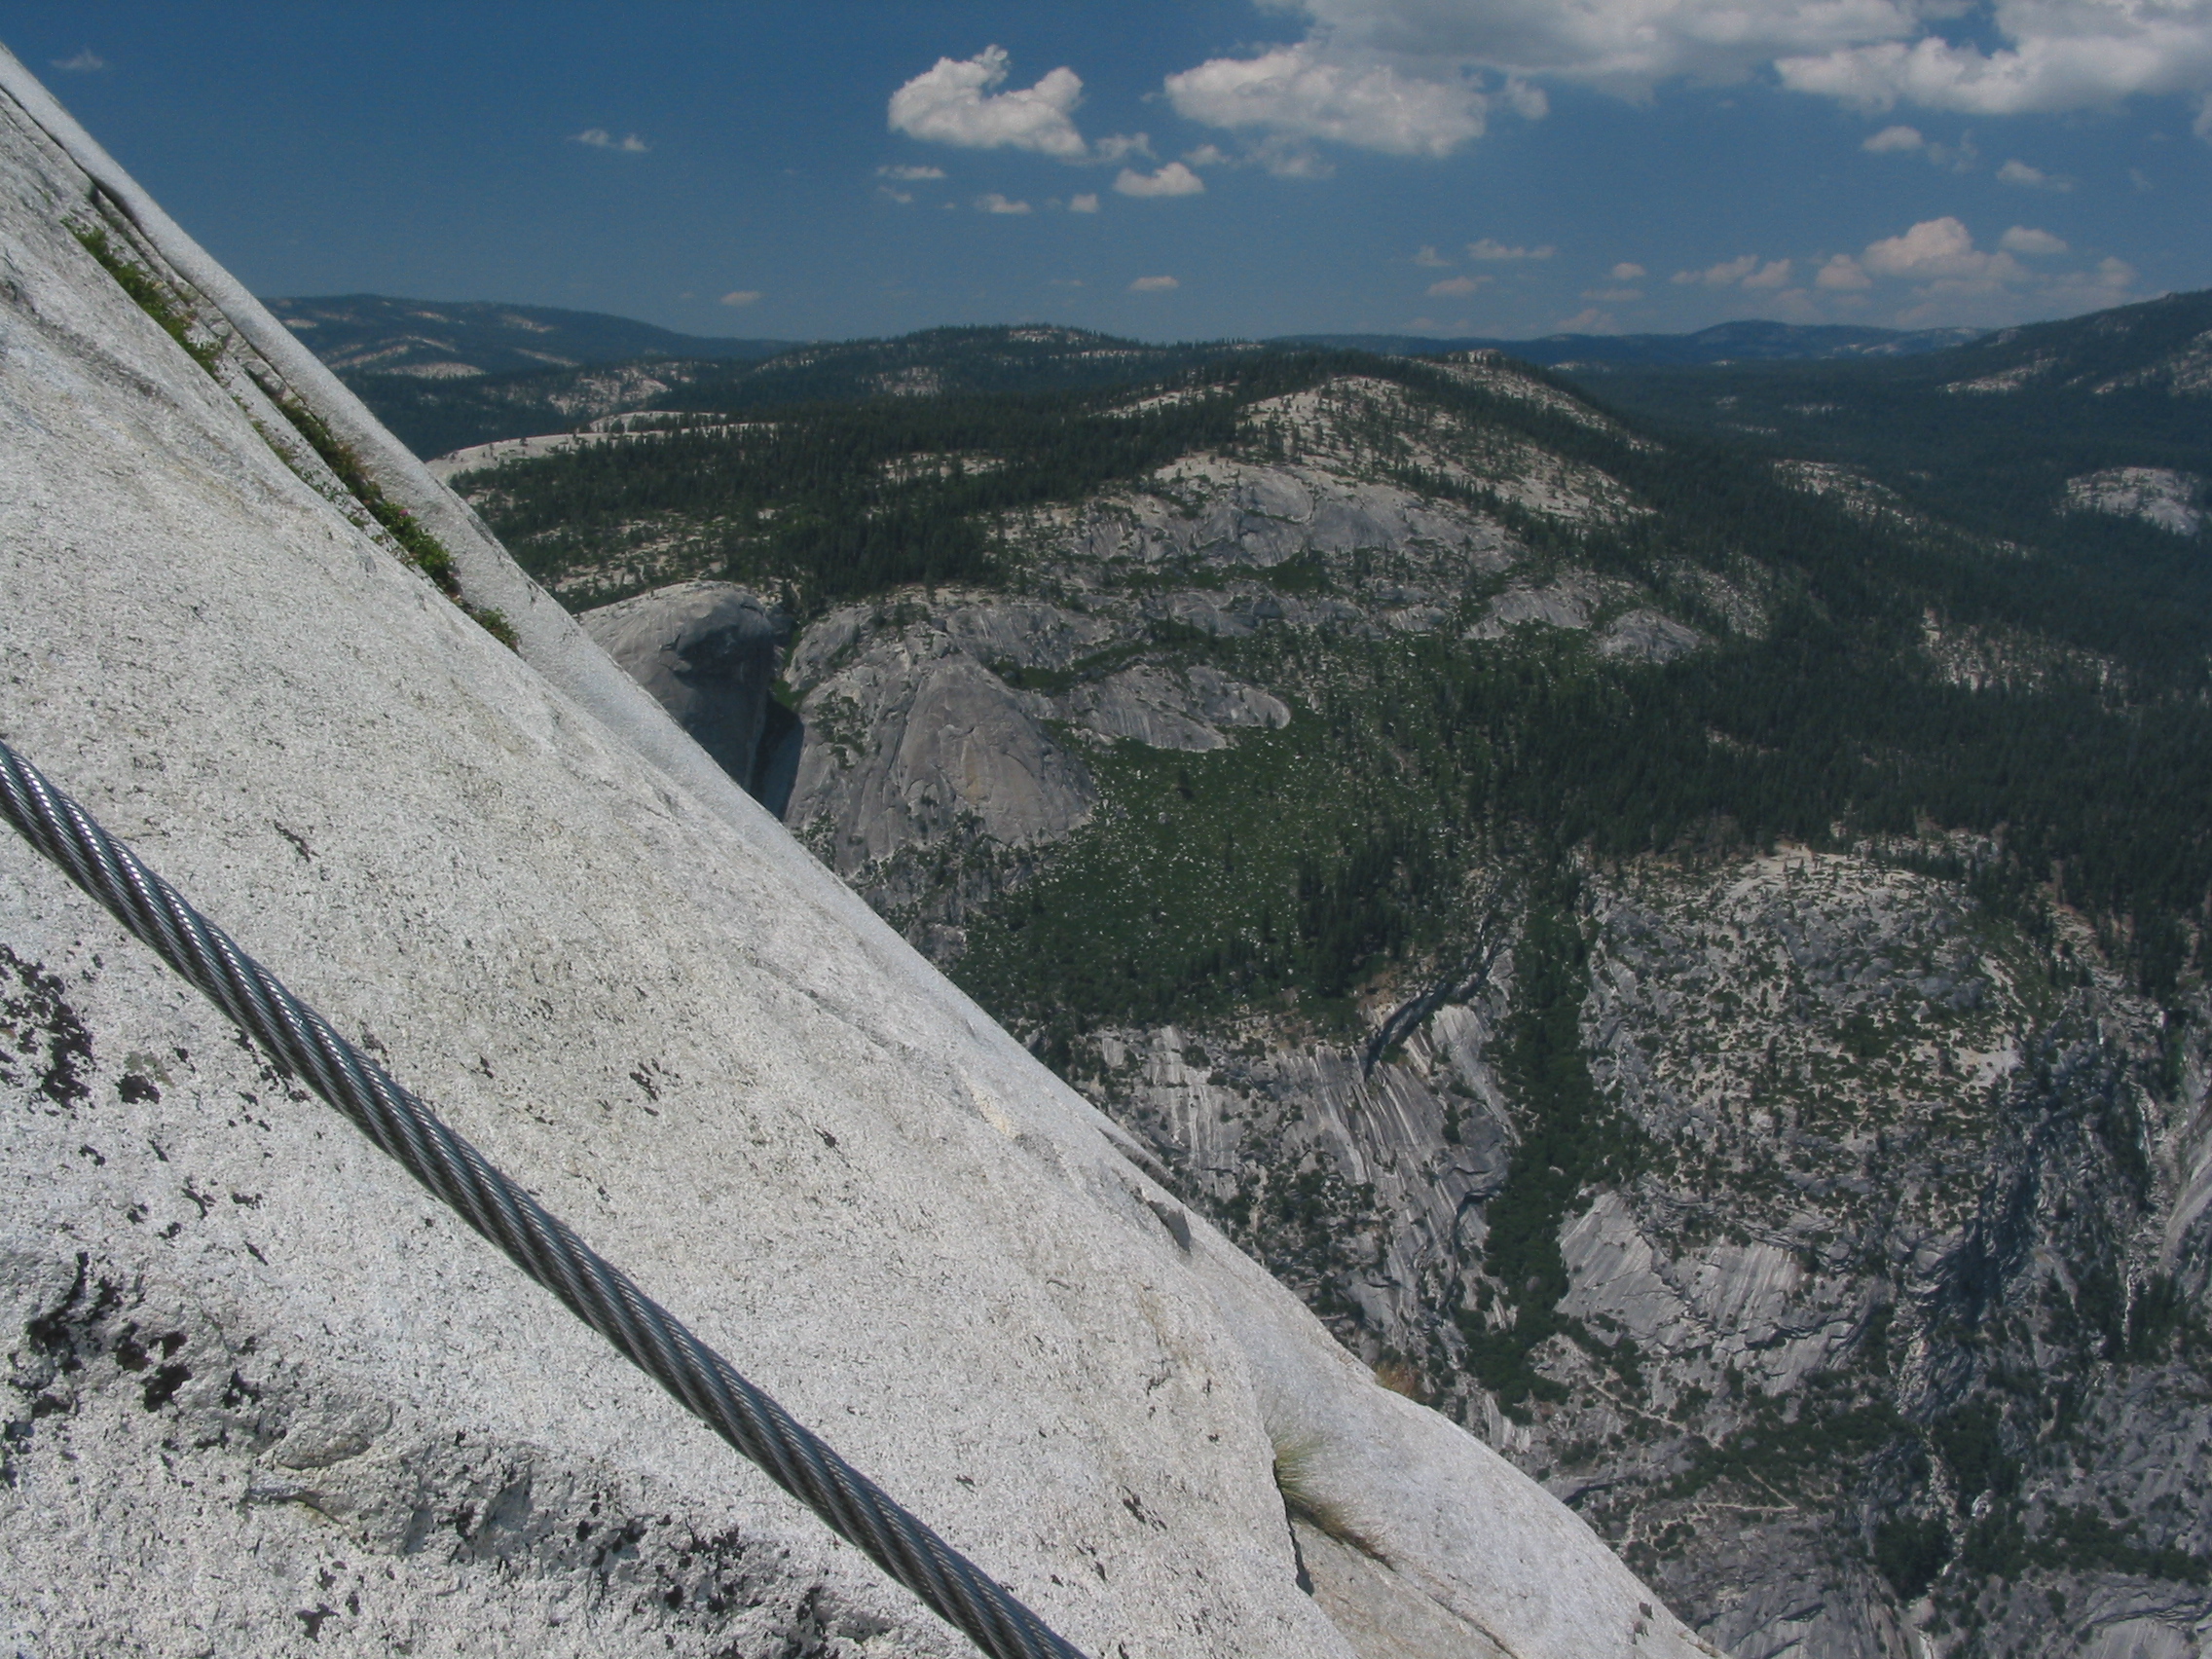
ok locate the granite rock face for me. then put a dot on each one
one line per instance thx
(1897, 1190)
(2158, 496)
(708, 652)
(263, 1395)
(945, 741)
(914, 741)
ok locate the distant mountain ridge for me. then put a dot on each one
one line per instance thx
(2159, 346)
(1750, 340)
(375, 334)
(436, 339)
(435, 412)
(449, 378)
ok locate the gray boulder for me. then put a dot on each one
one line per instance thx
(1647, 636)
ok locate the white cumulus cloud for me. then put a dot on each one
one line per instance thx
(742, 297)
(1456, 58)
(1843, 274)
(1892, 140)
(1086, 203)
(2056, 55)
(1487, 250)
(952, 102)
(1936, 248)
(85, 62)
(599, 139)
(1173, 180)
(909, 174)
(2031, 178)
(1457, 285)
(1948, 280)
(1590, 320)
(1773, 274)
(1153, 285)
(1116, 146)
(2023, 238)
(991, 201)
(1304, 92)
(1626, 44)
(1628, 270)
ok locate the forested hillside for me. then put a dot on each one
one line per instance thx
(1686, 947)
(1990, 436)
(828, 502)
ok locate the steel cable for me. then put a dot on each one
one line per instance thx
(596, 1291)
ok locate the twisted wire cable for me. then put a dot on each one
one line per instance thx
(596, 1291)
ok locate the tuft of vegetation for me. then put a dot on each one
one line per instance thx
(1296, 1464)
(422, 549)
(151, 294)
(1909, 1551)
(1570, 1138)
(425, 551)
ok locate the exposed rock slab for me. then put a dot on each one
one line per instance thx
(1168, 710)
(1239, 513)
(707, 651)
(915, 740)
(1644, 634)
(2155, 495)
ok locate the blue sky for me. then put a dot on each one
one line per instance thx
(849, 168)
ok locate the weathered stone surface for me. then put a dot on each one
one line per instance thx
(1238, 513)
(2157, 494)
(708, 653)
(1570, 600)
(1647, 636)
(1575, 601)
(1372, 1605)
(1871, 1159)
(1024, 633)
(1168, 710)
(262, 1396)
(914, 741)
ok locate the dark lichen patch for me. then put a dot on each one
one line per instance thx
(55, 1345)
(155, 1357)
(41, 1039)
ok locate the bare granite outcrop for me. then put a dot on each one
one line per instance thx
(708, 652)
